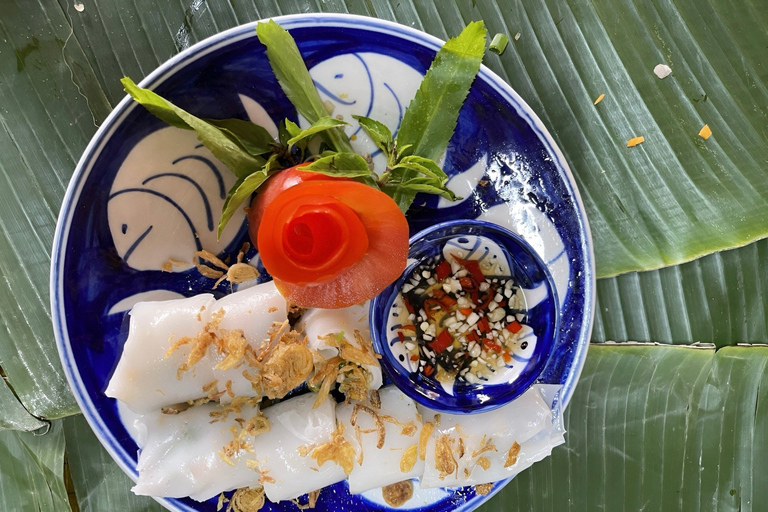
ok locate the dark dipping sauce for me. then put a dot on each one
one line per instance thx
(463, 320)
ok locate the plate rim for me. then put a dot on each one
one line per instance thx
(200, 49)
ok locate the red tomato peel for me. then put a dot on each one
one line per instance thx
(269, 191)
(351, 277)
(306, 238)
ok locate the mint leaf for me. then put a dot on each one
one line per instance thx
(230, 152)
(378, 132)
(241, 191)
(321, 125)
(294, 78)
(347, 165)
(273, 163)
(253, 138)
(431, 117)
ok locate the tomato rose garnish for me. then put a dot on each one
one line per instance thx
(268, 192)
(332, 243)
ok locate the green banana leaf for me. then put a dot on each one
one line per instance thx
(99, 484)
(51, 103)
(14, 415)
(671, 199)
(681, 428)
(558, 64)
(657, 428)
(720, 299)
(32, 471)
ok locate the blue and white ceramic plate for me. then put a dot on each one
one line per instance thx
(144, 193)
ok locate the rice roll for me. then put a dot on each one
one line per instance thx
(491, 446)
(396, 459)
(190, 454)
(325, 329)
(293, 455)
(151, 371)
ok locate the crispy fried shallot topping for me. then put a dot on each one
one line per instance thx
(349, 368)
(247, 500)
(287, 364)
(311, 500)
(445, 462)
(512, 455)
(408, 460)
(426, 431)
(380, 430)
(338, 450)
(486, 446)
(397, 494)
(483, 489)
(229, 343)
(265, 478)
(239, 272)
(375, 399)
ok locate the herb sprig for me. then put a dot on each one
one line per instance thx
(425, 130)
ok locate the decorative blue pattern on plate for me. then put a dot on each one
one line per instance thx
(128, 211)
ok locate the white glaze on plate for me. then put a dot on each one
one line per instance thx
(167, 197)
(369, 84)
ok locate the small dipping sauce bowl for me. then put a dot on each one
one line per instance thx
(471, 323)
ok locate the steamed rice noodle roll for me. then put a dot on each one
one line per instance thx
(174, 348)
(291, 456)
(328, 329)
(195, 454)
(380, 462)
(491, 446)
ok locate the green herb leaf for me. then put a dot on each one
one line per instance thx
(413, 174)
(273, 163)
(347, 165)
(287, 130)
(230, 152)
(253, 138)
(405, 150)
(403, 196)
(295, 80)
(239, 192)
(417, 185)
(436, 186)
(321, 125)
(431, 117)
(378, 132)
(423, 166)
(499, 44)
